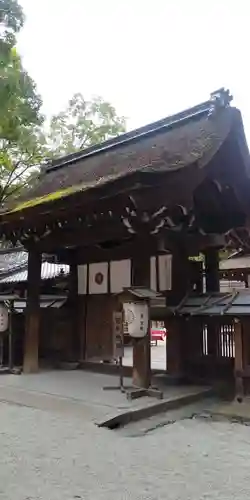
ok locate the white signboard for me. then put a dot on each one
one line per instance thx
(135, 319)
(153, 282)
(120, 275)
(82, 279)
(165, 272)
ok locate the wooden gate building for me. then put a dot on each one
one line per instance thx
(131, 211)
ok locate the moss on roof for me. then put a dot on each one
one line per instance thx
(61, 193)
(45, 199)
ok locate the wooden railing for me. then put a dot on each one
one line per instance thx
(225, 341)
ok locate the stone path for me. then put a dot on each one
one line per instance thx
(158, 356)
(78, 392)
(49, 456)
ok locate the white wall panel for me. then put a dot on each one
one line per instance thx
(82, 279)
(153, 282)
(165, 272)
(120, 275)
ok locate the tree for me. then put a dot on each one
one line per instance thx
(20, 147)
(83, 123)
(20, 162)
(24, 144)
(20, 104)
(11, 21)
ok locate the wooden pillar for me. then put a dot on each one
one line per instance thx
(174, 347)
(196, 270)
(212, 270)
(82, 324)
(141, 347)
(238, 361)
(32, 323)
(181, 281)
(212, 285)
(180, 287)
(74, 353)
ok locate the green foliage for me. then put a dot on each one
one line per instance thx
(24, 144)
(20, 103)
(82, 124)
(11, 16)
(20, 147)
(11, 21)
(20, 162)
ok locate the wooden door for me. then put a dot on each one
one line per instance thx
(99, 336)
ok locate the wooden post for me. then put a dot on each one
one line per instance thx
(73, 303)
(82, 324)
(175, 335)
(141, 347)
(212, 270)
(181, 281)
(238, 361)
(212, 285)
(196, 270)
(32, 324)
(174, 347)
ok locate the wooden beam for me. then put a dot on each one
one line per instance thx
(123, 248)
(75, 237)
(32, 324)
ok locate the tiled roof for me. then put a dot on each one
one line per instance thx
(235, 263)
(11, 259)
(48, 271)
(235, 303)
(14, 267)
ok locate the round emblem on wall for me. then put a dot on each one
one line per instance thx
(99, 278)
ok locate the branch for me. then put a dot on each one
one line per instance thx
(83, 143)
(10, 193)
(21, 174)
(5, 193)
(9, 179)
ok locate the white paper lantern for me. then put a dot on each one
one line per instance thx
(135, 319)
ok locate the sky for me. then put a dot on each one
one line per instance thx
(149, 58)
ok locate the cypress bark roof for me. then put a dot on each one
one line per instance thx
(191, 137)
(195, 140)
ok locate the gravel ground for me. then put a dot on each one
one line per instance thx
(49, 456)
(158, 356)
